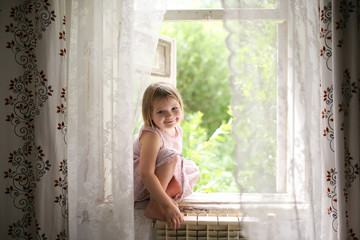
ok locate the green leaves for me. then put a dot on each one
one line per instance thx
(203, 81)
(212, 155)
(202, 72)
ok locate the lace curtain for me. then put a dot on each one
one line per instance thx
(112, 47)
(72, 74)
(319, 87)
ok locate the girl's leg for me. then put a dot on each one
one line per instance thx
(165, 174)
(173, 188)
(166, 177)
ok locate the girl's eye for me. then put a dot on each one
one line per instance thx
(175, 108)
(160, 112)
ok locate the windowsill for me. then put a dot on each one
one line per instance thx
(234, 203)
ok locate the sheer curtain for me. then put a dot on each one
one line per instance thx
(112, 46)
(320, 197)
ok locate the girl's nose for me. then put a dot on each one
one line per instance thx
(167, 114)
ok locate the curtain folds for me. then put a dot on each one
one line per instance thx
(112, 46)
(72, 77)
(340, 117)
(33, 194)
(277, 119)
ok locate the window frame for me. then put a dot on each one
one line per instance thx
(284, 193)
(166, 69)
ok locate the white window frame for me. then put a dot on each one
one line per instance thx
(165, 68)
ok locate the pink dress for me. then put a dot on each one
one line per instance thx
(186, 172)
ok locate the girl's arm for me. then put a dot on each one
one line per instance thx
(150, 145)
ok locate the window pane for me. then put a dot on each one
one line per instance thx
(198, 4)
(254, 104)
(203, 81)
(210, 128)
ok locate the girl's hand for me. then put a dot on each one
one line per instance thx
(173, 216)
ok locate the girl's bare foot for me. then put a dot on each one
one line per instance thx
(175, 203)
(155, 211)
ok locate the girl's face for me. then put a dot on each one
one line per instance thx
(166, 113)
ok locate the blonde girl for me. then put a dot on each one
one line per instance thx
(160, 171)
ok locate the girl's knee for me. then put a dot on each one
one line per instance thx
(176, 158)
(170, 165)
(173, 161)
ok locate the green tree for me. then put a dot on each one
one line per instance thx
(203, 80)
(202, 72)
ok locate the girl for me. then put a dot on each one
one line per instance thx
(160, 172)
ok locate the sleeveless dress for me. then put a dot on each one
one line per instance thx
(186, 172)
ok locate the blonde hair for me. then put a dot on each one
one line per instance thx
(159, 90)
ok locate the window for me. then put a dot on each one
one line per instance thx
(273, 151)
(164, 67)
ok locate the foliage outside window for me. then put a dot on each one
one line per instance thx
(203, 80)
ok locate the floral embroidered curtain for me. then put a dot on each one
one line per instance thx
(34, 162)
(340, 117)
